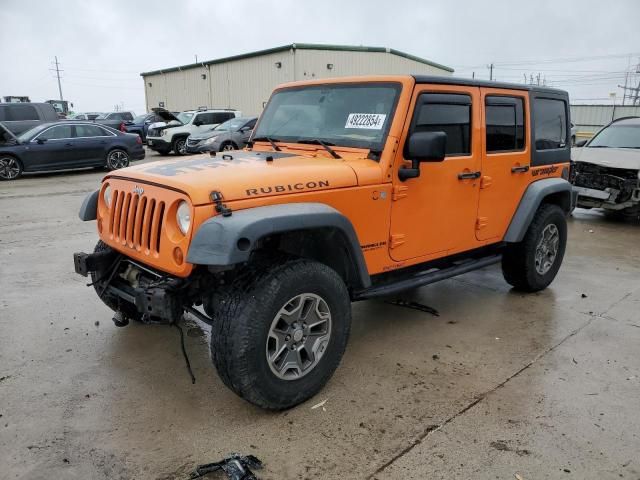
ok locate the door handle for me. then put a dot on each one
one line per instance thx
(469, 175)
(520, 169)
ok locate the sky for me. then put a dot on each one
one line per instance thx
(583, 46)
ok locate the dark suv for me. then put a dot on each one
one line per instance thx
(20, 117)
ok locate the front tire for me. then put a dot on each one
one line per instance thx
(180, 146)
(532, 264)
(10, 167)
(228, 147)
(128, 310)
(281, 332)
(117, 159)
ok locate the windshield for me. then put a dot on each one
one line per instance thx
(102, 116)
(29, 134)
(184, 117)
(233, 124)
(349, 115)
(140, 119)
(620, 136)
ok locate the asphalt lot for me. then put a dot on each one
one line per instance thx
(543, 386)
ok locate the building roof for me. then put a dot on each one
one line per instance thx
(301, 46)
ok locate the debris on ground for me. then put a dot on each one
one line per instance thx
(321, 404)
(236, 466)
(584, 295)
(414, 305)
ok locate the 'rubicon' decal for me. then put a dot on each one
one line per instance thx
(290, 187)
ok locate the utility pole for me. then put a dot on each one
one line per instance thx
(490, 71)
(58, 75)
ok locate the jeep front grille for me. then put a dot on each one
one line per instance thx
(136, 220)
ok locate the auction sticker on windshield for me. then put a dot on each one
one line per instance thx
(370, 121)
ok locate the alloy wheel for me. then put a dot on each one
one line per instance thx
(118, 159)
(547, 249)
(9, 168)
(298, 336)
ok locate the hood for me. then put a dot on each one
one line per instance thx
(165, 114)
(244, 174)
(6, 136)
(627, 158)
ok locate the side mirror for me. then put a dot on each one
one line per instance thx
(197, 123)
(245, 129)
(423, 147)
(581, 143)
(40, 141)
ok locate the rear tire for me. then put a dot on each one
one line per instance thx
(626, 214)
(10, 167)
(532, 264)
(117, 159)
(261, 344)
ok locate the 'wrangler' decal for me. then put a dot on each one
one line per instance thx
(291, 187)
(544, 171)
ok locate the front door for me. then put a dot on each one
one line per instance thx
(435, 214)
(52, 149)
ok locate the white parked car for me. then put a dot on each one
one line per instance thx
(171, 134)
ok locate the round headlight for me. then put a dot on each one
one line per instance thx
(106, 195)
(183, 217)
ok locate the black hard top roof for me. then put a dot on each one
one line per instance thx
(483, 83)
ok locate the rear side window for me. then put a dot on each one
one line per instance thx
(505, 123)
(205, 118)
(22, 112)
(221, 117)
(550, 123)
(89, 131)
(448, 113)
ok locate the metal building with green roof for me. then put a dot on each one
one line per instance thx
(245, 81)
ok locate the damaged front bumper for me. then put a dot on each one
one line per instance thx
(151, 294)
(605, 187)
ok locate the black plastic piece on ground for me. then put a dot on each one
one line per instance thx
(120, 320)
(414, 305)
(236, 466)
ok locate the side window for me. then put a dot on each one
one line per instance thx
(89, 131)
(57, 133)
(23, 112)
(3, 113)
(448, 113)
(127, 116)
(204, 118)
(505, 123)
(221, 117)
(550, 120)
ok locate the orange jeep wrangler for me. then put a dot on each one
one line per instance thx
(350, 189)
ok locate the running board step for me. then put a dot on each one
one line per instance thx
(425, 278)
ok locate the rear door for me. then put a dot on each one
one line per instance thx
(506, 154)
(91, 143)
(434, 215)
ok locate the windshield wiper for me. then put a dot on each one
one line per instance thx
(272, 141)
(325, 145)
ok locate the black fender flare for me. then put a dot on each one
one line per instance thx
(89, 207)
(225, 241)
(533, 197)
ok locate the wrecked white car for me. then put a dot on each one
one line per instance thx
(606, 171)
